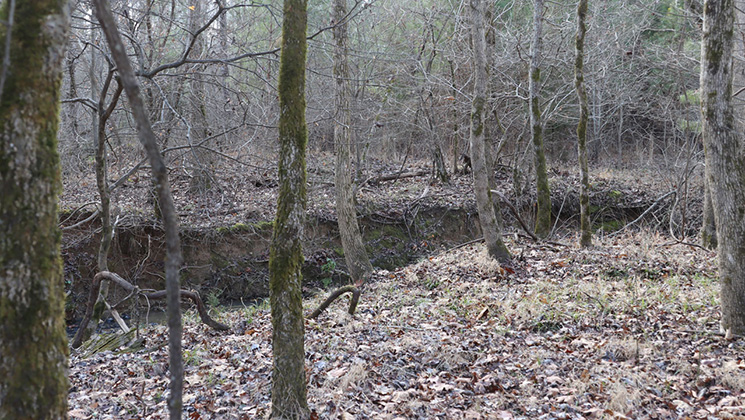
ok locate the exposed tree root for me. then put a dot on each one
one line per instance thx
(351, 288)
(161, 294)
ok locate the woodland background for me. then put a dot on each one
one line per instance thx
(624, 330)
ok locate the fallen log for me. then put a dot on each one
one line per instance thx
(394, 176)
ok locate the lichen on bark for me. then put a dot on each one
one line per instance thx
(289, 392)
(725, 171)
(33, 343)
(487, 207)
(543, 193)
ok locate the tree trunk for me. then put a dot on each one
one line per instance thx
(202, 172)
(289, 393)
(101, 115)
(455, 143)
(170, 219)
(543, 210)
(490, 227)
(355, 255)
(33, 343)
(708, 226)
(725, 167)
(585, 238)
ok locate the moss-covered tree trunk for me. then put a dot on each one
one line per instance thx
(33, 343)
(490, 226)
(585, 233)
(725, 160)
(355, 255)
(543, 209)
(289, 393)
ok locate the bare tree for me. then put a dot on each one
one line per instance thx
(543, 210)
(289, 392)
(585, 239)
(170, 219)
(33, 343)
(487, 208)
(355, 255)
(725, 169)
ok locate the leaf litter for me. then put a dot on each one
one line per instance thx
(625, 330)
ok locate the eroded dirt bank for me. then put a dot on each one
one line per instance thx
(226, 233)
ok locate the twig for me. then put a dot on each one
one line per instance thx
(82, 222)
(602, 307)
(643, 214)
(516, 214)
(467, 243)
(691, 244)
(72, 213)
(716, 333)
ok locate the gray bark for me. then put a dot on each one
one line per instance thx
(543, 196)
(585, 239)
(708, 225)
(289, 390)
(725, 163)
(355, 254)
(165, 198)
(490, 226)
(33, 343)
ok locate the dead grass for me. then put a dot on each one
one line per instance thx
(623, 330)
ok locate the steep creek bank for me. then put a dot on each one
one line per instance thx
(231, 262)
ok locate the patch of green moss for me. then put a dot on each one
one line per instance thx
(611, 225)
(264, 225)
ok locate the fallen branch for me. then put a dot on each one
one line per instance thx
(659, 200)
(96, 285)
(516, 214)
(350, 288)
(394, 176)
(82, 222)
(690, 244)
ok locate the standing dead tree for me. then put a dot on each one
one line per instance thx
(165, 198)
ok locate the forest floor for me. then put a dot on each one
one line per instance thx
(625, 330)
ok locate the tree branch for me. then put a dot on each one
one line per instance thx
(350, 288)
